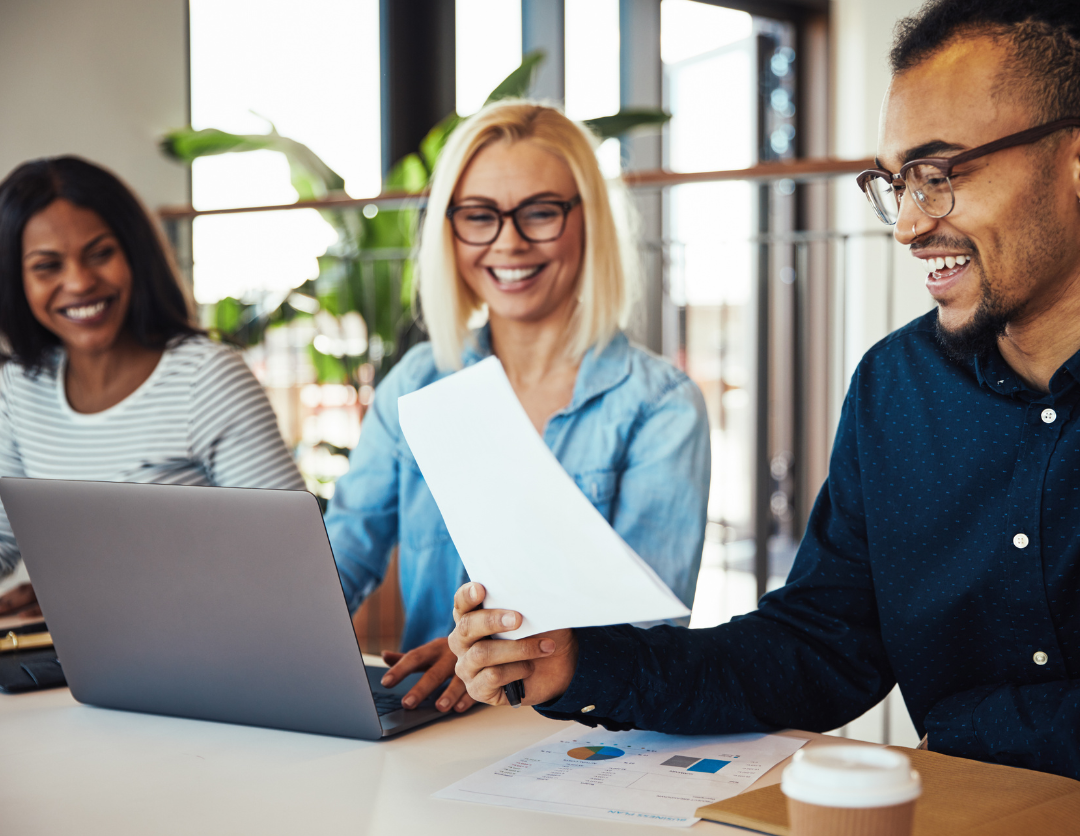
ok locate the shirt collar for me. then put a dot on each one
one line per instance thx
(992, 371)
(599, 372)
(1071, 366)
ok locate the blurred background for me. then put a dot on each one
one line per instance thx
(285, 147)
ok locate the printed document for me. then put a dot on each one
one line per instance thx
(521, 525)
(632, 776)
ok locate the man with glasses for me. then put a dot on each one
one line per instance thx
(943, 552)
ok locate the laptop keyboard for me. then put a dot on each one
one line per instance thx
(385, 703)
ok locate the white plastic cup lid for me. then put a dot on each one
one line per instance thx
(850, 776)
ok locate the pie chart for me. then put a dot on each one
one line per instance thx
(595, 753)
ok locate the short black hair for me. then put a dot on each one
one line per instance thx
(1045, 35)
(159, 309)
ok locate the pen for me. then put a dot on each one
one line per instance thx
(26, 641)
(515, 692)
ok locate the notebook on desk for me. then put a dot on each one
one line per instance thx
(210, 603)
(960, 798)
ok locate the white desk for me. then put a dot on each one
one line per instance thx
(67, 768)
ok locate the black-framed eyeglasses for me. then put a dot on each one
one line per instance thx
(537, 221)
(928, 179)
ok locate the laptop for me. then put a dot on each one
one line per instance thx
(210, 603)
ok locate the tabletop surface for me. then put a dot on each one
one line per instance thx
(70, 768)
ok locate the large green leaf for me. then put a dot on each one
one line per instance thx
(310, 176)
(432, 144)
(390, 229)
(517, 84)
(409, 174)
(626, 120)
(186, 144)
(228, 314)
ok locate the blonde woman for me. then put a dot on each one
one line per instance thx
(519, 225)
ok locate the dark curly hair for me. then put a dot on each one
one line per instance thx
(1044, 35)
(159, 309)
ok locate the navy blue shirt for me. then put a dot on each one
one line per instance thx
(943, 553)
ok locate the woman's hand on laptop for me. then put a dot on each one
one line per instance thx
(22, 601)
(544, 662)
(438, 660)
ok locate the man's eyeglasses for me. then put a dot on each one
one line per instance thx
(928, 179)
(537, 221)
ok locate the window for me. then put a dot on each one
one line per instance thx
(487, 49)
(314, 76)
(718, 64)
(592, 69)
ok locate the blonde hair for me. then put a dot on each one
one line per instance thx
(606, 287)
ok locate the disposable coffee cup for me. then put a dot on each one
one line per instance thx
(850, 791)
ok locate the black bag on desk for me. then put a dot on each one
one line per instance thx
(30, 670)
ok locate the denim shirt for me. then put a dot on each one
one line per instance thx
(634, 438)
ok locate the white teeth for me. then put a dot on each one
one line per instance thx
(514, 274)
(935, 265)
(85, 311)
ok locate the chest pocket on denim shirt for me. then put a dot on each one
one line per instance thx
(600, 486)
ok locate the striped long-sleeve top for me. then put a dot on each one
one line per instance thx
(200, 418)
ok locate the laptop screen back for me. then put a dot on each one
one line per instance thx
(212, 603)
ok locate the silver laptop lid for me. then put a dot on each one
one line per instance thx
(212, 603)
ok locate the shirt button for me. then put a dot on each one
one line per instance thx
(589, 708)
(1020, 541)
(1049, 416)
(1040, 658)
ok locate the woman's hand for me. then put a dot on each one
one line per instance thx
(545, 662)
(436, 658)
(21, 600)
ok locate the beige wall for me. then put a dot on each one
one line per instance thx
(98, 78)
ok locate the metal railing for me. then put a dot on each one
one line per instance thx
(801, 171)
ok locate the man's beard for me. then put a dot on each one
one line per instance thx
(978, 337)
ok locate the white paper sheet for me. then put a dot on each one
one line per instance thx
(634, 776)
(522, 527)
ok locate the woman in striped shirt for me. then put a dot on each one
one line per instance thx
(109, 379)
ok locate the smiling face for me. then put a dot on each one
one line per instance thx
(520, 281)
(1009, 248)
(76, 278)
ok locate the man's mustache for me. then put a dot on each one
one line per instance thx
(942, 242)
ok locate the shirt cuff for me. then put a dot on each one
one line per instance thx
(951, 727)
(607, 659)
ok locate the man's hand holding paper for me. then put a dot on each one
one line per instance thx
(544, 662)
